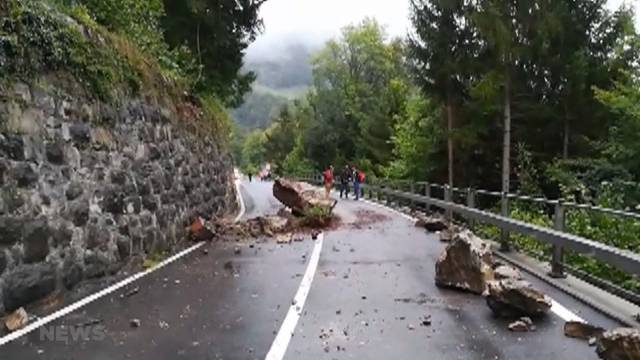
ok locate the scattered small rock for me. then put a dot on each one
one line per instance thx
(582, 330)
(519, 326)
(205, 251)
(426, 320)
(283, 239)
(135, 323)
(432, 224)
(131, 292)
(445, 236)
(507, 272)
(411, 327)
(16, 320)
(237, 250)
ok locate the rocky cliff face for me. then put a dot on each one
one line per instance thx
(87, 186)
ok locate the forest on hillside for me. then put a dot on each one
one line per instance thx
(535, 97)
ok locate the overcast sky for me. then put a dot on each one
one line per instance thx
(315, 21)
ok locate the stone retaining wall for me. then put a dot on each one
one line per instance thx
(85, 186)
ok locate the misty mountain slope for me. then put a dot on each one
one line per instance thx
(283, 74)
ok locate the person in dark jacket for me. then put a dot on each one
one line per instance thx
(345, 179)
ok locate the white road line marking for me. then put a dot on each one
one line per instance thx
(91, 298)
(564, 313)
(242, 207)
(281, 342)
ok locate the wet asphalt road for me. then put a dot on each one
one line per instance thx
(373, 287)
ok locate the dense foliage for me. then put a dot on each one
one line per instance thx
(200, 43)
(217, 32)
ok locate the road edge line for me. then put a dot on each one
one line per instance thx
(91, 298)
(240, 201)
(564, 313)
(281, 342)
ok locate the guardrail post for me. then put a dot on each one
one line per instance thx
(393, 200)
(505, 246)
(412, 189)
(448, 198)
(557, 266)
(427, 193)
(471, 203)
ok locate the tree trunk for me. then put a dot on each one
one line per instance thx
(506, 160)
(199, 53)
(506, 149)
(565, 140)
(450, 141)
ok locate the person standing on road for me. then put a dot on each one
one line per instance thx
(250, 176)
(345, 179)
(357, 180)
(327, 177)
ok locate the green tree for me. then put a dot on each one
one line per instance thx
(217, 32)
(359, 89)
(440, 50)
(253, 152)
(623, 147)
(416, 137)
(280, 137)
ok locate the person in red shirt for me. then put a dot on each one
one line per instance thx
(358, 179)
(327, 177)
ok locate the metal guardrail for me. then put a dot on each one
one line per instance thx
(625, 260)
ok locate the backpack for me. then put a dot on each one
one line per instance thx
(361, 176)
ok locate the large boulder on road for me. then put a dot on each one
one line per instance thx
(465, 264)
(302, 198)
(514, 298)
(619, 344)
